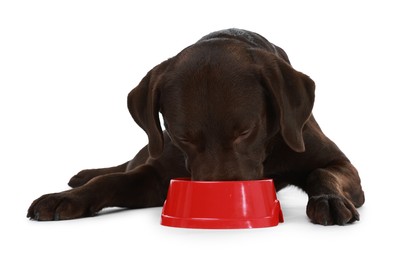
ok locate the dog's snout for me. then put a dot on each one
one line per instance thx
(223, 168)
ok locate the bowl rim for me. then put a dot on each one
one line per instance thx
(188, 180)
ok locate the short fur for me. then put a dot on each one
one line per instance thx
(233, 109)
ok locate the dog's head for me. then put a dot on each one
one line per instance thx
(222, 103)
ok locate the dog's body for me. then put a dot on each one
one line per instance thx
(233, 109)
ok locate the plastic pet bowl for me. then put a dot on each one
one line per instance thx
(221, 204)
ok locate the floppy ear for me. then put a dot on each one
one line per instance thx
(143, 104)
(293, 93)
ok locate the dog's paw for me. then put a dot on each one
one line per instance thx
(58, 206)
(331, 210)
(81, 178)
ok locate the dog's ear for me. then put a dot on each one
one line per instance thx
(143, 104)
(293, 94)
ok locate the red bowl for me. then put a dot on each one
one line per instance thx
(221, 204)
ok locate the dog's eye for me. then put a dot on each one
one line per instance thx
(242, 135)
(184, 141)
(245, 133)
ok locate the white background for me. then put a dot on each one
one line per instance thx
(66, 68)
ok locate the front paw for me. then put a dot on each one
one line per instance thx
(58, 206)
(331, 210)
(82, 178)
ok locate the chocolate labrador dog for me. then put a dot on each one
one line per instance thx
(233, 109)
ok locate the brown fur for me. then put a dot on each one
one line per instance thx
(233, 109)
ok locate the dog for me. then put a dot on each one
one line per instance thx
(233, 108)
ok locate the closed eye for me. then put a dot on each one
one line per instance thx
(184, 141)
(242, 135)
(190, 143)
(245, 133)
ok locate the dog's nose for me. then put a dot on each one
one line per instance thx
(223, 165)
(220, 172)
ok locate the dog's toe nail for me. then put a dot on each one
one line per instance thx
(56, 216)
(36, 216)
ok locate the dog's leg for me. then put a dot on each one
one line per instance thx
(86, 175)
(334, 194)
(139, 188)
